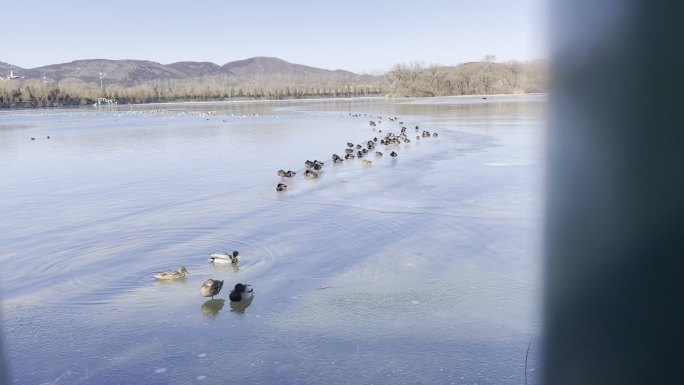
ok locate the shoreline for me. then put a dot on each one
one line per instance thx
(6, 106)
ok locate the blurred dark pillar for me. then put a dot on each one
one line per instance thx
(614, 297)
(4, 376)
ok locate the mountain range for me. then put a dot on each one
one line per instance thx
(143, 81)
(132, 72)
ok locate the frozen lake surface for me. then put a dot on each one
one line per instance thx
(420, 269)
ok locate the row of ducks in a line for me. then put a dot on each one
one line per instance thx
(372, 123)
(310, 166)
(240, 292)
(212, 287)
(47, 137)
(314, 167)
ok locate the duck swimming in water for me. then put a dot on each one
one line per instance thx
(241, 292)
(281, 187)
(310, 174)
(393, 154)
(171, 274)
(224, 258)
(211, 287)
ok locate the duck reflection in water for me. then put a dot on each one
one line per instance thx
(226, 267)
(212, 307)
(241, 306)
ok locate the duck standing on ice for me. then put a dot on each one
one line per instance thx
(211, 287)
(241, 292)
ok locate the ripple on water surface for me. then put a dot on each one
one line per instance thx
(92, 270)
(409, 270)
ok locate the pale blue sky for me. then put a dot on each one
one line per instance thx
(361, 36)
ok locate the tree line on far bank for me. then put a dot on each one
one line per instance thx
(404, 80)
(477, 78)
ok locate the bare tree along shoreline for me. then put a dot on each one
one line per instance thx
(87, 81)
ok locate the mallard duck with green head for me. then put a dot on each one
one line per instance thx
(225, 257)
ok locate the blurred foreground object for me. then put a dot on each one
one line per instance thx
(615, 208)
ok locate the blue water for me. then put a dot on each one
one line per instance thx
(419, 269)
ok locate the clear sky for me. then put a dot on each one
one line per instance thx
(361, 36)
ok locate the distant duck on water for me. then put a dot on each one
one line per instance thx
(225, 258)
(241, 292)
(316, 164)
(211, 287)
(281, 187)
(171, 274)
(286, 174)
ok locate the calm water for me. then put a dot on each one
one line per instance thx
(419, 269)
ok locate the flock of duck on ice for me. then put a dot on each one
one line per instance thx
(242, 293)
(314, 168)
